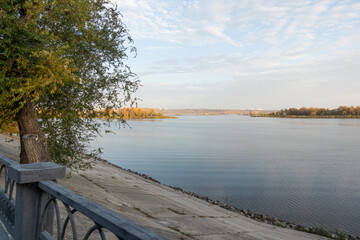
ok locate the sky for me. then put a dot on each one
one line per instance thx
(245, 54)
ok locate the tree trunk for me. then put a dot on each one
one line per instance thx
(34, 146)
(23, 157)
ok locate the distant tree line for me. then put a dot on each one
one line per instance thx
(9, 128)
(122, 113)
(342, 111)
(131, 113)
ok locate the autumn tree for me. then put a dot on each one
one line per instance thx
(60, 60)
(343, 111)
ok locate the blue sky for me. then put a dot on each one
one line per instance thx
(245, 54)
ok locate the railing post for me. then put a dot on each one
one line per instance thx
(29, 197)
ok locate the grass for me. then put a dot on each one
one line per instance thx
(145, 213)
(280, 224)
(178, 230)
(322, 231)
(177, 212)
(340, 235)
(95, 183)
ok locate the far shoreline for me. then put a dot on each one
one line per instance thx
(309, 117)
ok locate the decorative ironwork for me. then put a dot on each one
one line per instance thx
(7, 203)
(34, 186)
(102, 218)
(62, 226)
(92, 229)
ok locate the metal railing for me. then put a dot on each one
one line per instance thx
(34, 206)
(7, 202)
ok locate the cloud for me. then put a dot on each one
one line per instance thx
(256, 83)
(217, 33)
(247, 81)
(265, 46)
(175, 21)
(155, 48)
(238, 23)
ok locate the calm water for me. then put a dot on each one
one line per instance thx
(306, 171)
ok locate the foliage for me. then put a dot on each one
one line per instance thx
(321, 231)
(342, 111)
(133, 113)
(67, 58)
(9, 128)
(340, 235)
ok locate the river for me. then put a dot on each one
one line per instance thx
(306, 171)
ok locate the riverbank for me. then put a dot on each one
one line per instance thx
(311, 117)
(210, 112)
(168, 211)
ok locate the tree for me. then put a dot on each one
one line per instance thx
(60, 61)
(9, 128)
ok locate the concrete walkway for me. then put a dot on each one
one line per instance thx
(171, 213)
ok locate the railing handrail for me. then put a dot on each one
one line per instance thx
(6, 199)
(7, 161)
(104, 217)
(29, 216)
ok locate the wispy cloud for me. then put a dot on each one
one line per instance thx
(239, 23)
(272, 45)
(177, 21)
